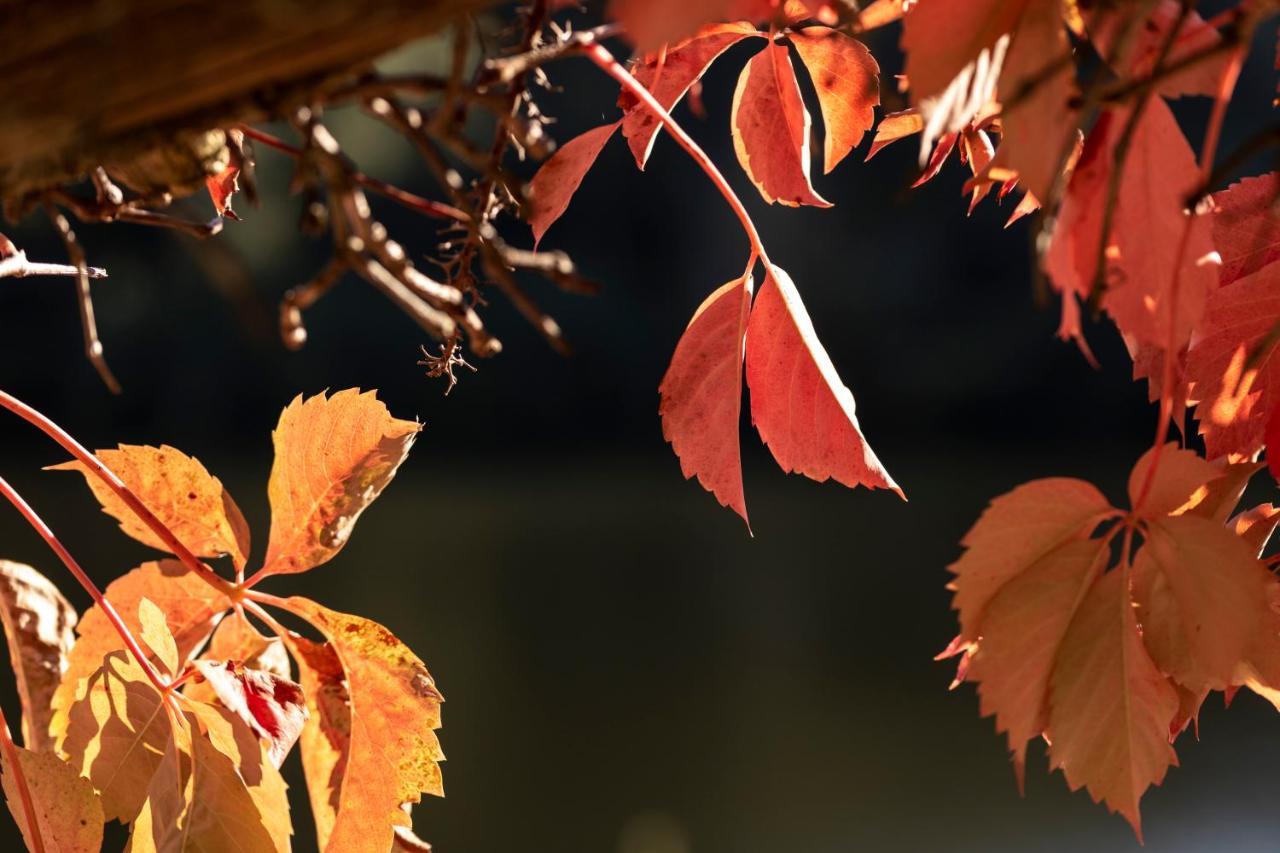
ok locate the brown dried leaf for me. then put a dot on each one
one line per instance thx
(38, 625)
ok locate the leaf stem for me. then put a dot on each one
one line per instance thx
(135, 505)
(20, 779)
(605, 60)
(95, 593)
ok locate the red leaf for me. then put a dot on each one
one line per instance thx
(771, 130)
(895, 126)
(847, 80)
(685, 64)
(1246, 228)
(1147, 39)
(702, 394)
(1235, 403)
(559, 178)
(273, 707)
(798, 403)
(941, 37)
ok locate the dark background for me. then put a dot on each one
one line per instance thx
(625, 669)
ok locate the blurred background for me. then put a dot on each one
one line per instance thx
(626, 669)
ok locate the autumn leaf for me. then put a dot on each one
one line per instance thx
(1246, 229)
(771, 129)
(38, 627)
(552, 188)
(941, 38)
(117, 735)
(1015, 532)
(1200, 71)
(186, 498)
(1183, 480)
(895, 126)
(67, 810)
(651, 23)
(191, 608)
(326, 737)
(393, 755)
(701, 394)
(799, 405)
(155, 634)
(271, 706)
(668, 77)
(334, 456)
(847, 80)
(236, 640)
(1237, 398)
(1109, 706)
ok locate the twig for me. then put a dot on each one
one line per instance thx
(508, 68)
(17, 266)
(84, 300)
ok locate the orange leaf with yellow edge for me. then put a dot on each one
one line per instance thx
(393, 755)
(334, 456)
(68, 811)
(179, 491)
(847, 80)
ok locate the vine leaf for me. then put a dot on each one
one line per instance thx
(333, 457)
(1235, 381)
(191, 609)
(38, 627)
(393, 755)
(771, 129)
(847, 80)
(801, 409)
(684, 64)
(552, 188)
(180, 491)
(236, 640)
(1142, 50)
(155, 633)
(67, 809)
(1110, 707)
(940, 38)
(701, 394)
(118, 734)
(1245, 229)
(271, 706)
(326, 737)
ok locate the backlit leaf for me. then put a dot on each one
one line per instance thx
(38, 625)
(701, 394)
(156, 635)
(269, 705)
(334, 456)
(847, 80)
(67, 810)
(179, 491)
(552, 188)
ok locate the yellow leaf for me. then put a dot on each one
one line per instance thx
(393, 755)
(67, 810)
(326, 737)
(179, 491)
(191, 609)
(155, 633)
(334, 456)
(38, 625)
(118, 733)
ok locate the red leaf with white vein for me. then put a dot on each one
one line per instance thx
(683, 65)
(847, 80)
(273, 707)
(799, 405)
(702, 394)
(559, 178)
(771, 130)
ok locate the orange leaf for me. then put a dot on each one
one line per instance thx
(684, 64)
(1016, 531)
(1182, 481)
(183, 495)
(847, 80)
(38, 625)
(334, 456)
(191, 609)
(393, 756)
(67, 809)
(701, 394)
(1022, 627)
(269, 705)
(895, 126)
(798, 404)
(326, 737)
(552, 188)
(771, 129)
(1109, 707)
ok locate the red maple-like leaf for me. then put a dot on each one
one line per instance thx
(273, 707)
(1246, 229)
(555, 183)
